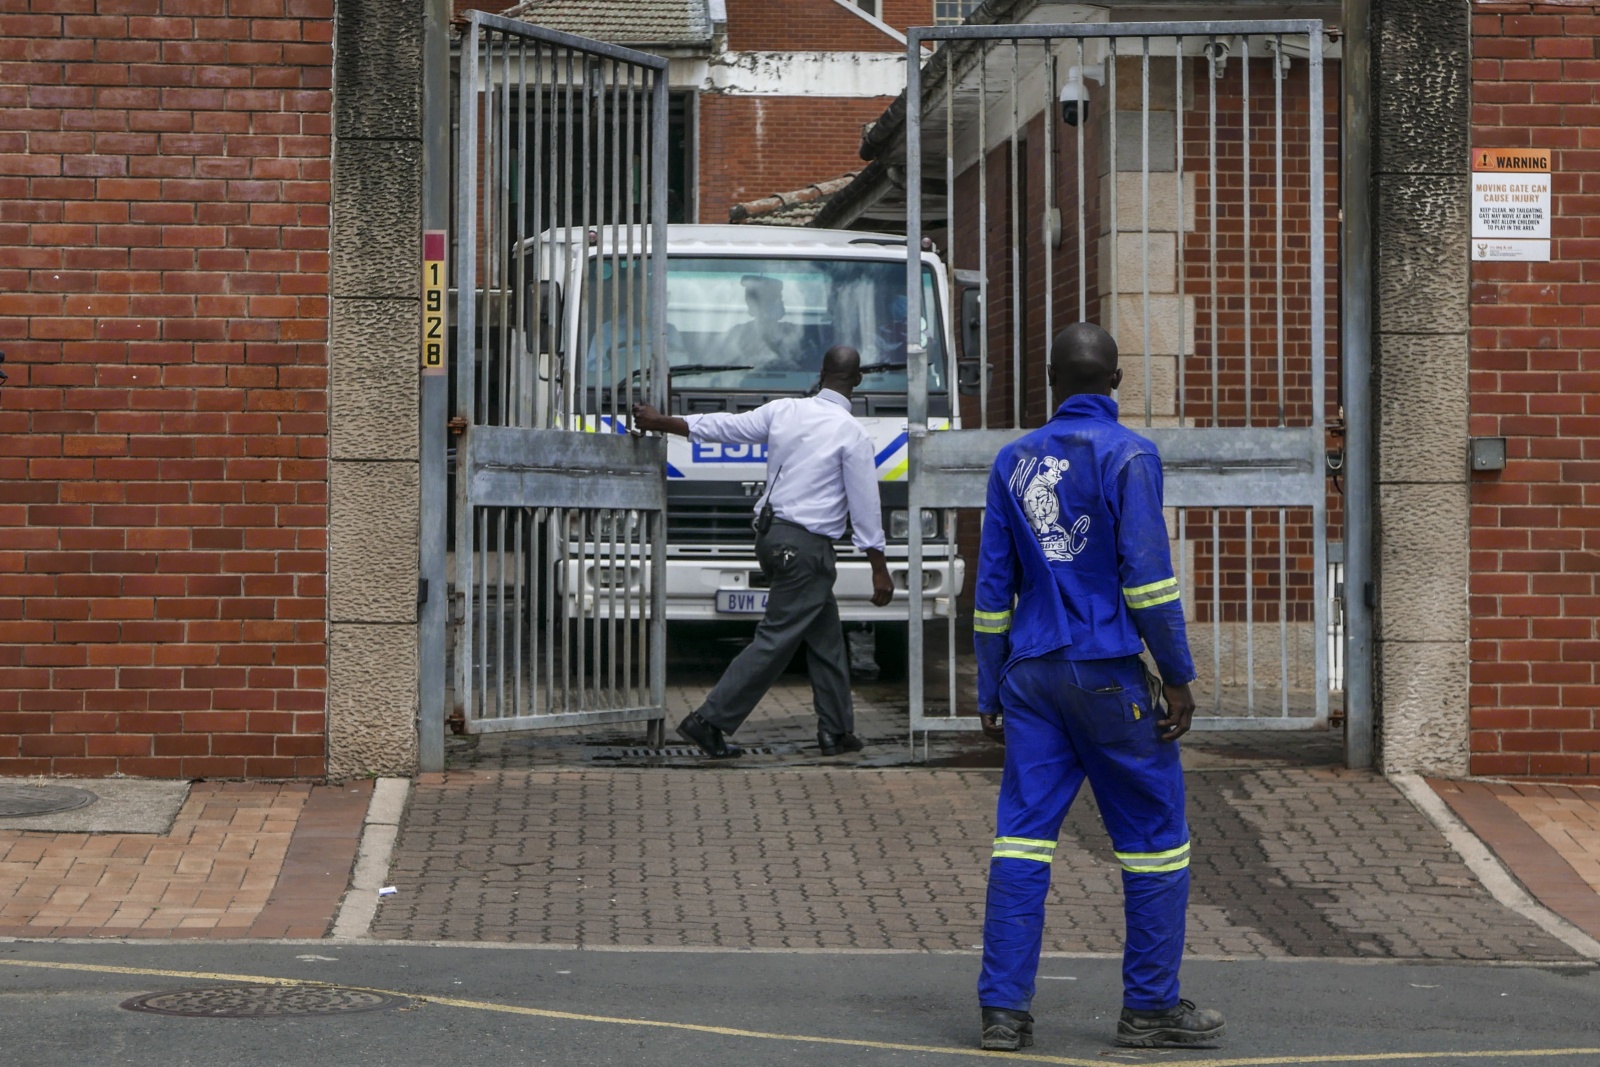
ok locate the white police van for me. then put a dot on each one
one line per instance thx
(750, 311)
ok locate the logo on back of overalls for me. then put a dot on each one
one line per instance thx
(1034, 481)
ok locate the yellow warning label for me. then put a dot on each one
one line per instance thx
(1512, 160)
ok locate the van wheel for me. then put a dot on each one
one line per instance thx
(891, 649)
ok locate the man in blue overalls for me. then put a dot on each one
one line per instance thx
(1074, 581)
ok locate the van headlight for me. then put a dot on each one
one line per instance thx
(900, 524)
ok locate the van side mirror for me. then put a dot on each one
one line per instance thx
(544, 336)
(969, 368)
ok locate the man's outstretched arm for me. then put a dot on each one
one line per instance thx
(742, 428)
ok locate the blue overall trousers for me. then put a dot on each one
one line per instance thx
(1067, 720)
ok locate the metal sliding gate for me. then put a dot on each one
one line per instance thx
(1165, 180)
(561, 208)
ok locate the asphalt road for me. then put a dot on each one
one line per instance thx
(489, 1006)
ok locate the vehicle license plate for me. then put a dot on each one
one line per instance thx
(742, 601)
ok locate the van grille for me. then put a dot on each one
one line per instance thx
(717, 522)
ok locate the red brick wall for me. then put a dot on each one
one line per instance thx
(1227, 406)
(902, 14)
(163, 302)
(749, 145)
(803, 26)
(1535, 380)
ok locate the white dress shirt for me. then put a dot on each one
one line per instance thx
(820, 464)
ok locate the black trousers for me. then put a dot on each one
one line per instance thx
(800, 610)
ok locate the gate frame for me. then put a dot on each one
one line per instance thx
(950, 469)
(598, 471)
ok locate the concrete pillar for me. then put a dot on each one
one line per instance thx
(374, 511)
(1421, 81)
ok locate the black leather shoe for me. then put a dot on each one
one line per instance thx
(833, 744)
(1005, 1030)
(1182, 1026)
(707, 738)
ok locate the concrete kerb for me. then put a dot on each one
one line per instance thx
(378, 835)
(1499, 881)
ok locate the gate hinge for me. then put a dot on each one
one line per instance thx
(457, 425)
(422, 591)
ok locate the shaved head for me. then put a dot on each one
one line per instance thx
(841, 370)
(840, 361)
(1083, 359)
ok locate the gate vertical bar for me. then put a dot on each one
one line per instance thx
(1180, 234)
(917, 364)
(1050, 231)
(1014, 204)
(466, 349)
(658, 351)
(1319, 334)
(1144, 218)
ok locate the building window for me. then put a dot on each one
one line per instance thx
(869, 6)
(953, 12)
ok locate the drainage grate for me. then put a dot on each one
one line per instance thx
(262, 1001)
(17, 799)
(679, 752)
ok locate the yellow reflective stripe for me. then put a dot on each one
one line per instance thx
(1025, 841)
(1173, 859)
(1024, 848)
(1148, 596)
(991, 622)
(1152, 587)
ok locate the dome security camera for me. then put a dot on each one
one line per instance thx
(1074, 98)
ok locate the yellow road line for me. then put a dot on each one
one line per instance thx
(809, 1039)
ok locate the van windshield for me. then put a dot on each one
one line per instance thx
(762, 325)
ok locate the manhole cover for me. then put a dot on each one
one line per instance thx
(262, 1001)
(18, 799)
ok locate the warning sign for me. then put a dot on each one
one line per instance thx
(1511, 204)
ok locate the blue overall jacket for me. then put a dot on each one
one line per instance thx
(1074, 558)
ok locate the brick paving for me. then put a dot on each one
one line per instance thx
(1548, 835)
(1291, 860)
(241, 860)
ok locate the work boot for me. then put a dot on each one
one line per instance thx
(707, 738)
(1174, 1028)
(833, 744)
(1005, 1030)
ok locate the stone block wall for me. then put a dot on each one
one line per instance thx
(1420, 79)
(374, 487)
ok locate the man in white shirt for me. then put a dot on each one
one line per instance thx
(820, 472)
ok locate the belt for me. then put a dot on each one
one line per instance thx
(805, 530)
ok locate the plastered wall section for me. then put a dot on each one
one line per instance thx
(374, 514)
(1421, 103)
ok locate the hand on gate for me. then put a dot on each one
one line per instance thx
(1180, 709)
(993, 727)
